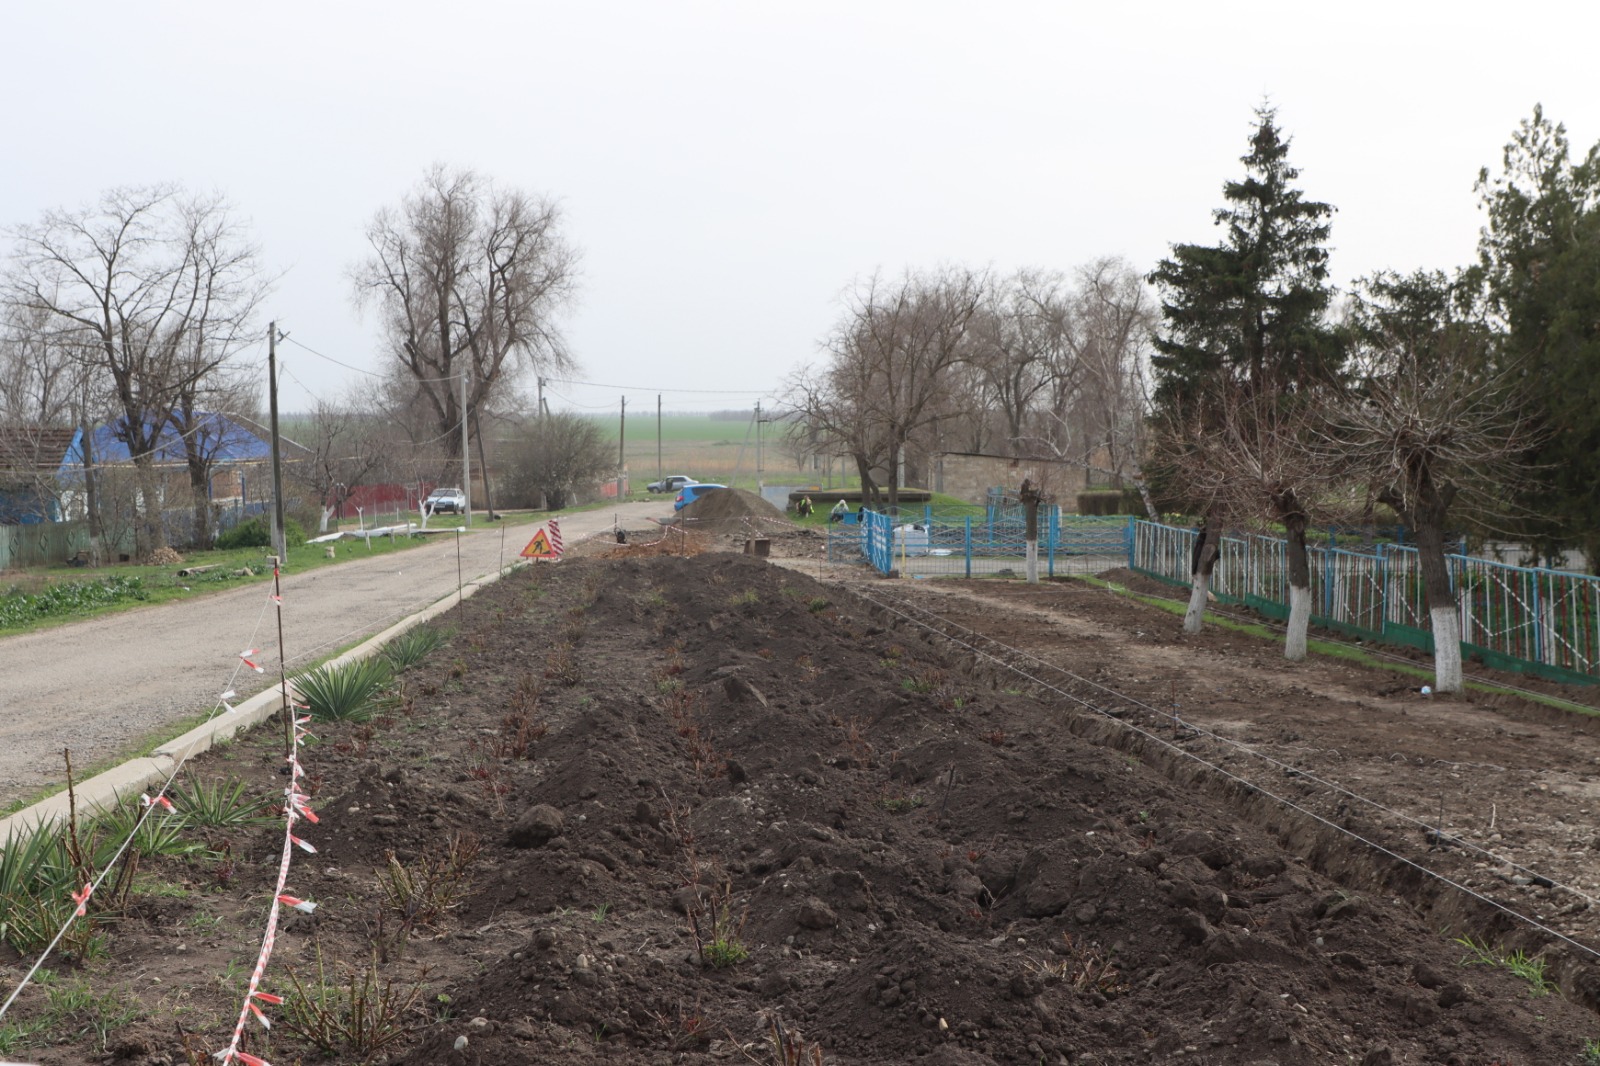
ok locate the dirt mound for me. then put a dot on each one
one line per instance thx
(669, 540)
(164, 556)
(713, 795)
(734, 511)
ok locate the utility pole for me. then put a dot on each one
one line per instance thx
(758, 447)
(622, 443)
(658, 436)
(277, 450)
(466, 456)
(91, 502)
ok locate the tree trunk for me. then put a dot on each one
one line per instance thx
(1206, 548)
(894, 481)
(1428, 525)
(483, 468)
(1144, 494)
(1030, 511)
(200, 487)
(868, 486)
(1294, 645)
(152, 533)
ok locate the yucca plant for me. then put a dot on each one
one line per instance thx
(35, 879)
(343, 693)
(414, 645)
(161, 833)
(219, 804)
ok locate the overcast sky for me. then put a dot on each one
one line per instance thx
(728, 169)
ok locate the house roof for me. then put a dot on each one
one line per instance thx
(224, 439)
(27, 451)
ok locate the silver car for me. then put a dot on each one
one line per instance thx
(452, 500)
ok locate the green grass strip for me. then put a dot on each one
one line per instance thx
(1331, 649)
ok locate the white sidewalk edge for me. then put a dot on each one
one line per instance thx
(102, 791)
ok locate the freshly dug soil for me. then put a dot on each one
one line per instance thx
(720, 806)
(724, 511)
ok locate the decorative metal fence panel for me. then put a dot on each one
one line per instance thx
(41, 544)
(1512, 617)
(939, 545)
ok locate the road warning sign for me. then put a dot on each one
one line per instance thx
(540, 547)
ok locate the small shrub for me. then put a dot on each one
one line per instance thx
(422, 892)
(414, 645)
(257, 533)
(900, 804)
(561, 665)
(160, 833)
(219, 804)
(343, 693)
(350, 1021)
(35, 876)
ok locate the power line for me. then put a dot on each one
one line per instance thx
(331, 359)
(643, 388)
(574, 403)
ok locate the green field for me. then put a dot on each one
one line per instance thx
(706, 449)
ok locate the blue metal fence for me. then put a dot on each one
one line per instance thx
(930, 544)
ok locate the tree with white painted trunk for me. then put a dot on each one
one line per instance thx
(1243, 319)
(1436, 425)
(1259, 458)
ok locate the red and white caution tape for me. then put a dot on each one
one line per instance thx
(81, 896)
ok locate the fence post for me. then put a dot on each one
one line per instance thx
(967, 545)
(1053, 531)
(1127, 537)
(1383, 587)
(1538, 620)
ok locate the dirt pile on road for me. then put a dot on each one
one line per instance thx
(724, 511)
(711, 797)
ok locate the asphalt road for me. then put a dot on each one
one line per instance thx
(101, 687)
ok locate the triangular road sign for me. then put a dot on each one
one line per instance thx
(539, 547)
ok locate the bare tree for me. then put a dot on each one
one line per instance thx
(348, 448)
(41, 397)
(1436, 425)
(153, 289)
(1093, 412)
(1021, 347)
(468, 279)
(1260, 460)
(891, 355)
(1113, 317)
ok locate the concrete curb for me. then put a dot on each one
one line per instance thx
(104, 790)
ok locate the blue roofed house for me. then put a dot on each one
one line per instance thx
(211, 476)
(29, 457)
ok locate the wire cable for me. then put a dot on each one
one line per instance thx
(642, 388)
(110, 865)
(1249, 785)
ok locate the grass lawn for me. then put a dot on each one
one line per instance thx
(144, 585)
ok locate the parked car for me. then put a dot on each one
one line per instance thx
(452, 500)
(670, 483)
(692, 493)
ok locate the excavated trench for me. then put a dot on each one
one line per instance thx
(1375, 856)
